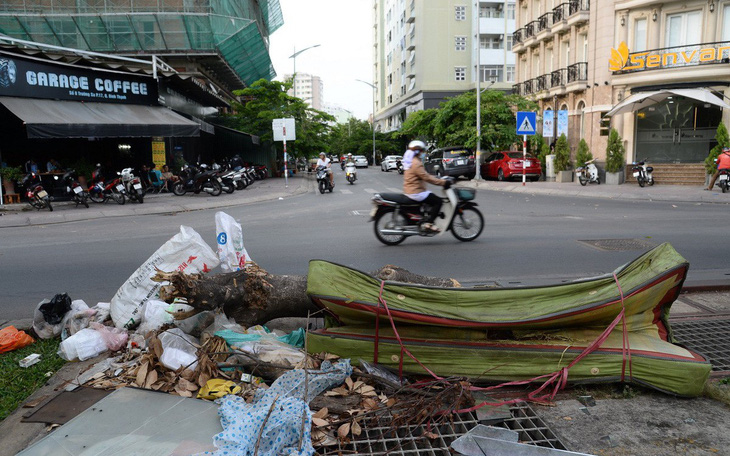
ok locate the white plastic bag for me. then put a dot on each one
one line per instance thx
(178, 349)
(229, 237)
(83, 345)
(77, 318)
(114, 338)
(186, 251)
(154, 314)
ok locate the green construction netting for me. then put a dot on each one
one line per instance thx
(237, 30)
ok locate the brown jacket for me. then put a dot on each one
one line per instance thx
(415, 178)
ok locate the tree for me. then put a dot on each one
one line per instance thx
(562, 154)
(264, 101)
(723, 140)
(614, 153)
(583, 154)
(356, 137)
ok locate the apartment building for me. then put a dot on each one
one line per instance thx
(426, 51)
(309, 88)
(596, 60)
(341, 115)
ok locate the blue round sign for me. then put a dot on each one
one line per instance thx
(222, 238)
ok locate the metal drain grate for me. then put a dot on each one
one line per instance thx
(409, 440)
(618, 244)
(711, 338)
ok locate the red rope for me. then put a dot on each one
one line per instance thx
(559, 378)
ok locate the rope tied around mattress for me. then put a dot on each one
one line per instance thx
(558, 379)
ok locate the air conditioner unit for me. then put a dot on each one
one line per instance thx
(501, 37)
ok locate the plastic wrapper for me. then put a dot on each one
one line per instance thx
(114, 338)
(43, 328)
(103, 310)
(229, 237)
(83, 345)
(12, 339)
(178, 349)
(196, 324)
(76, 319)
(154, 315)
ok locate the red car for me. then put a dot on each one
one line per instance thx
(507, 165)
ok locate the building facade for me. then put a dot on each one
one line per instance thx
(425, 52)
(309, 88)
(341, 115)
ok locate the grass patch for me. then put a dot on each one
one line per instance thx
(17, 383)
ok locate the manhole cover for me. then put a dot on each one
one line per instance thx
(618, 244)
(409, 440)
(710, 337)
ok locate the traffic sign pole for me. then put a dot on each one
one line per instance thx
(524, 158)
(286, 173)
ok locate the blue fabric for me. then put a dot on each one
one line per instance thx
(295, 338)
(285, 406)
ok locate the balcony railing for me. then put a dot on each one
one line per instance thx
(518, 89)
(528, 87)
(561, 12)
(544, 22)
(539, 84)
(517, 36)
(530, 29)
(559, 77)
(579, 5)
(578, 72)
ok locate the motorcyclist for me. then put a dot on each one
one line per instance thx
(349, 159)
(723, 162)
(414, 184)
(324, 161)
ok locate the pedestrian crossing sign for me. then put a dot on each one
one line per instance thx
(526, 122)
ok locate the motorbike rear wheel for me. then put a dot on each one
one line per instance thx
(179, 189)
(47, 203)
(386, 220)
(651, 182)
(216, 188)
(582, 179)
(97, 197)
(641, 181)
(468, 224)
(230, 188)
(118, 198)
(240, 184)
(140, 196)
(322, 186)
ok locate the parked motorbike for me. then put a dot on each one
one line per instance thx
(399, 165)
(588, 173)
(132, 185)
(102, 191)
(74, 190)
(225, 178)
(37, 196)
(351, 173)
(723, 180)
(197, 180)
(397, 217)
(642, 173)
(323, 180)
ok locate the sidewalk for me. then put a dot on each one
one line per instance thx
(17, 215)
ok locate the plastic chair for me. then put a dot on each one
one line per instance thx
(156, 180)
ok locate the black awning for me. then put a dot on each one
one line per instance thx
(73, 119)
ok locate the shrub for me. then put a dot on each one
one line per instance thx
(544, 152)
(615, 161)
(583, 154)
(562, 154)
(12, 173)
(723, 140)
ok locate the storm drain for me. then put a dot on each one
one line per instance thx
(711, 338)
(410, 440)
(618, 244)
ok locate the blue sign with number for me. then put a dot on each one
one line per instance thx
(526, 122)
(222, 238)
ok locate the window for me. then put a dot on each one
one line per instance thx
(460, 73)
(684, 29)
(460, 43)
(509, 42)
(639, 43)
(490, 42)
(412, 85)
(494, 12)
(581, 112)
(726, 23)
(491, 73)
(460, 12)
(511, 11)
(510, 73)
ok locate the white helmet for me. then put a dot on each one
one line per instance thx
(349, 155)
(321, 154)
(417, 145)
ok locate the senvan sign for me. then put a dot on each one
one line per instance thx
(623, 61)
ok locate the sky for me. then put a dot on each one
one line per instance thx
(344, 31)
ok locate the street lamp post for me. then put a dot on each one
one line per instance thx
(373, 123)
(294, 57)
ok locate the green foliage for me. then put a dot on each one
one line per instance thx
(723, 140)
(264, 101)
(544, 152)
(454, 122)
(17, 383)
(83, 167)
(583, 154)
(12, 173)
(562, 154)
(534, 144)
(356, 137)
(615, 160)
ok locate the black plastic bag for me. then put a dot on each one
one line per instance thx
(54, 311)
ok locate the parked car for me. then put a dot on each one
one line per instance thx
(451, 161)
(390, 162)
(507, 165)
(360, 161)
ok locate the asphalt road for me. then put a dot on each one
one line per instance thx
(527, 239)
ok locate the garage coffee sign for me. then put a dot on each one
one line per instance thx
(21, 77)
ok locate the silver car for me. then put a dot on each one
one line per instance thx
(390, 162)
(360, 161)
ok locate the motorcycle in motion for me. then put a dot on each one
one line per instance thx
(351, 172)
(397, 217)
(399, 165)
(74, 190)
(37, 196)
(642, 173)
(588, 173)
(323, 180)
(723, 180)
(196, 180)
(132, 185)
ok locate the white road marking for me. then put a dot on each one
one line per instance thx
(346, 192)
(370, 190)
(395, 190)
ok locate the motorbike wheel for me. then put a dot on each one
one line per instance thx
(229, 189)
(641, 181)
(385, 220)
(467, 225)
(583, 180)
(84, 196)
(240, 185)
(178, 189)
(322, 187)
(97, 197)
(47, 203)
(216, 187)
(651, 182)
(400, 170)
(36, 203)
(140, 196)
(118, 198)
(723, 187)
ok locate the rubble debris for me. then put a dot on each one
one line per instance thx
(490, 441)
